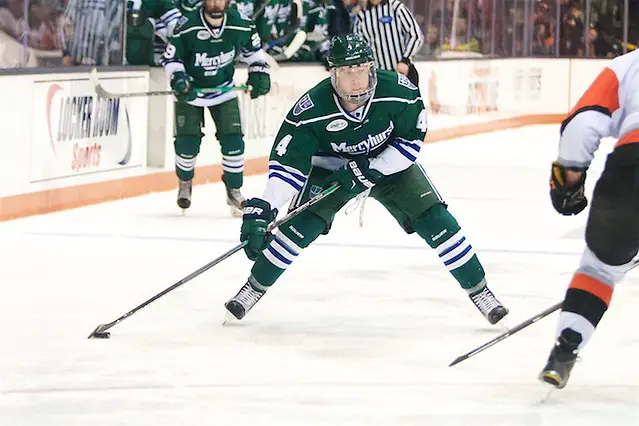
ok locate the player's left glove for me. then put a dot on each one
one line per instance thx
(259, 78)
(257, 216)
(356, 176)
(567, 200)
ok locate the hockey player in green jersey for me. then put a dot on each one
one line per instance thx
(145, 19)
(202, 54)
(309, 42)
(362, 128)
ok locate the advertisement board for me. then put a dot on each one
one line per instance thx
(75, 132)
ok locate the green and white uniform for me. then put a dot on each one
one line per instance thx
(145, 20)
(314, 32)
(368, 151)
(318, 136)
(208, 55)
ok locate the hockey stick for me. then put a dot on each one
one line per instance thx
(259, 11)
(100, 331)
(507, 334)
(103, 93)
(519, 327)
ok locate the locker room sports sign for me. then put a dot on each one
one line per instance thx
(80, 133)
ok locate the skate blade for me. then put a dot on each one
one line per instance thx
(183, 212)
(229, 319)
(503, 325)
(547, 390)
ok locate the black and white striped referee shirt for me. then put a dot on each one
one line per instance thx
(391, 31)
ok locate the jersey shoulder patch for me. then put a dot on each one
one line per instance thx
(181, 23)
(304, 104)
(402, 80)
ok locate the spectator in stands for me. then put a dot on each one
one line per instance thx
(42, 29)
(572, 31)
(12, 18)
(600, 46)
(542, 42)
(464, 42)
(431, 42)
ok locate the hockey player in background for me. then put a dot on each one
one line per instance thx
(309, 42)
(362, 128)
(202, 54)
(610, 107)
(145, 20)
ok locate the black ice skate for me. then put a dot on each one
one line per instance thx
(184, 194)
(235, 200)
(243, 301)
(489, 306)
(562, 359)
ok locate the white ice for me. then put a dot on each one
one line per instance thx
(360, 331)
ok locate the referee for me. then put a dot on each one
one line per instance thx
(393, 34)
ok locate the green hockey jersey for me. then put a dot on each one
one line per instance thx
(145, 19)
(208, 54)
(314, 23)
(317, 132)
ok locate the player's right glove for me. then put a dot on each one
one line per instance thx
(257, 216)
(356, 176)
(567, 200)
(181, 84)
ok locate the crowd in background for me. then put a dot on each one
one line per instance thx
(573, 28)
(493, 28)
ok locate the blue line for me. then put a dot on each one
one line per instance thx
(299, 177)
(317, 244)
(403, 151)
(453, 247)
(285, 246)
(291, 182)
(459, 256)
(281, 258)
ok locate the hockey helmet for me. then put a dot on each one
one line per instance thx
(350, 62)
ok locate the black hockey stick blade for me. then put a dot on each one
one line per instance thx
(100, 331)
(507, 334)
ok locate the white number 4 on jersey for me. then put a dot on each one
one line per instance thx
(282, 145)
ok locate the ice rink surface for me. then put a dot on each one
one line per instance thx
(359, 331)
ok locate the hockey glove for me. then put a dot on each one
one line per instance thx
(259, 78)
(181, 84)
(567, 200)
(356, 176)
(257, 216)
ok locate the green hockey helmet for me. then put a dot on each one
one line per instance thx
(352, 68)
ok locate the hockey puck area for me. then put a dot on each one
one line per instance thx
(102, 335)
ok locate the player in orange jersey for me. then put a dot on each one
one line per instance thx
(610, 107)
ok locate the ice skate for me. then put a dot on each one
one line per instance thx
(243, 301)
(562, 359)
(235, 200)
(184, 194)
(489, 306)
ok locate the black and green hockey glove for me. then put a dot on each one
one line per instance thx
(356, 176)
(257, 216)
(567, 199)
(181, 84)
(259, 79)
